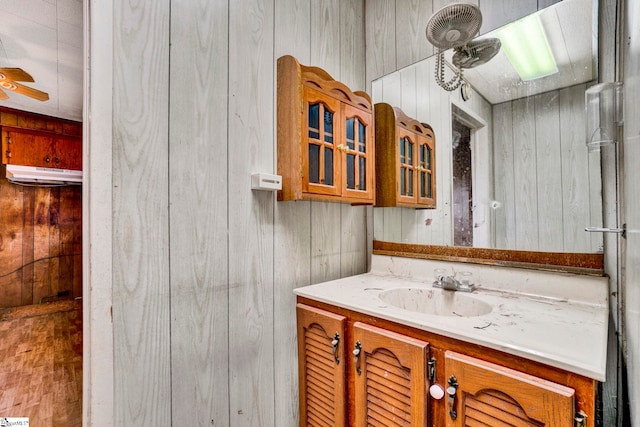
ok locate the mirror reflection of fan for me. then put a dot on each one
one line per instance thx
(9, 78)
(454, 26)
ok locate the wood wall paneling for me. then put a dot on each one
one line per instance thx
(575, 179)
(411, 19)
(550, 211)
(40, 243)
(140, 188)
(526, 202)
(548, 169)
(40, 228)
(380, 39)
(409, 99)
(251, 281)
(292, 230)
(41, 235)
(352, 44)
(504, 190)
(198, 214)
(11, 244)
(28, 199)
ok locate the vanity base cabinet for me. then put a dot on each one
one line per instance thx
(322, 367)
(390, 378)
(483, 393)
(491, 385)
(380, 382)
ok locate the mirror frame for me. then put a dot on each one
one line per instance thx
(578, 263)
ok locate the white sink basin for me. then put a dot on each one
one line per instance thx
(435, 301)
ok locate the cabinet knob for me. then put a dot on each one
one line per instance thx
(436, 391)
(47, 159)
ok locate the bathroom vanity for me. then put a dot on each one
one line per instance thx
(388, 348)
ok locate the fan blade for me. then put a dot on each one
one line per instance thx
(3, 95)
(16, 74)
(31, 92)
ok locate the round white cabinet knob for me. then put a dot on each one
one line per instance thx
(436, 391)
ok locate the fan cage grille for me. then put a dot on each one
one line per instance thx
(454, 25)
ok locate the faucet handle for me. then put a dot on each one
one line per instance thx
(439, 274)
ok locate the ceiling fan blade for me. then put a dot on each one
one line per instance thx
(3, 95)
(15, 74)
(28, 91)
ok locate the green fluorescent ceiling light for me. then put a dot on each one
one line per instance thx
(525, 44)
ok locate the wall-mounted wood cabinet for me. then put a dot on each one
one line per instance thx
(405, 160)
(356, 369)
(325, 137)
(38, 148)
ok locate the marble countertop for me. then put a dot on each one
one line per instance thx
(558, 319)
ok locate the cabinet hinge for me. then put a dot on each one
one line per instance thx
(580, 419)
(431, 369)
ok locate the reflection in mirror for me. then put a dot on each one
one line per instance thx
(529, 181)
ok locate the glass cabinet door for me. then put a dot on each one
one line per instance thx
(425, 161)
(321, 126)
(406, 167)
(357, 167)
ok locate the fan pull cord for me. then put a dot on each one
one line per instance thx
(455, 81)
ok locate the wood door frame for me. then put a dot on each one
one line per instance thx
(482, 187)
(97, 203)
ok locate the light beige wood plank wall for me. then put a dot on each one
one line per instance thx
(204, 319)
(292, 237)
(140, 194)
(199, 220)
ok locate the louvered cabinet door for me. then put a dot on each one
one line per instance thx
(491, 395)
(390, 378)
(321, 365)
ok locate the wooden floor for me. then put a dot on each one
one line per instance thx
(41, 363)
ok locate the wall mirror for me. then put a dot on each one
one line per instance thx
(512, 167)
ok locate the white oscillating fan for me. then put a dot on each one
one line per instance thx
(454, 27)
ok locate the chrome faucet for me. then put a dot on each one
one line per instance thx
(450, 283)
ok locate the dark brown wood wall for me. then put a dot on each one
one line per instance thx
(40, 230)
